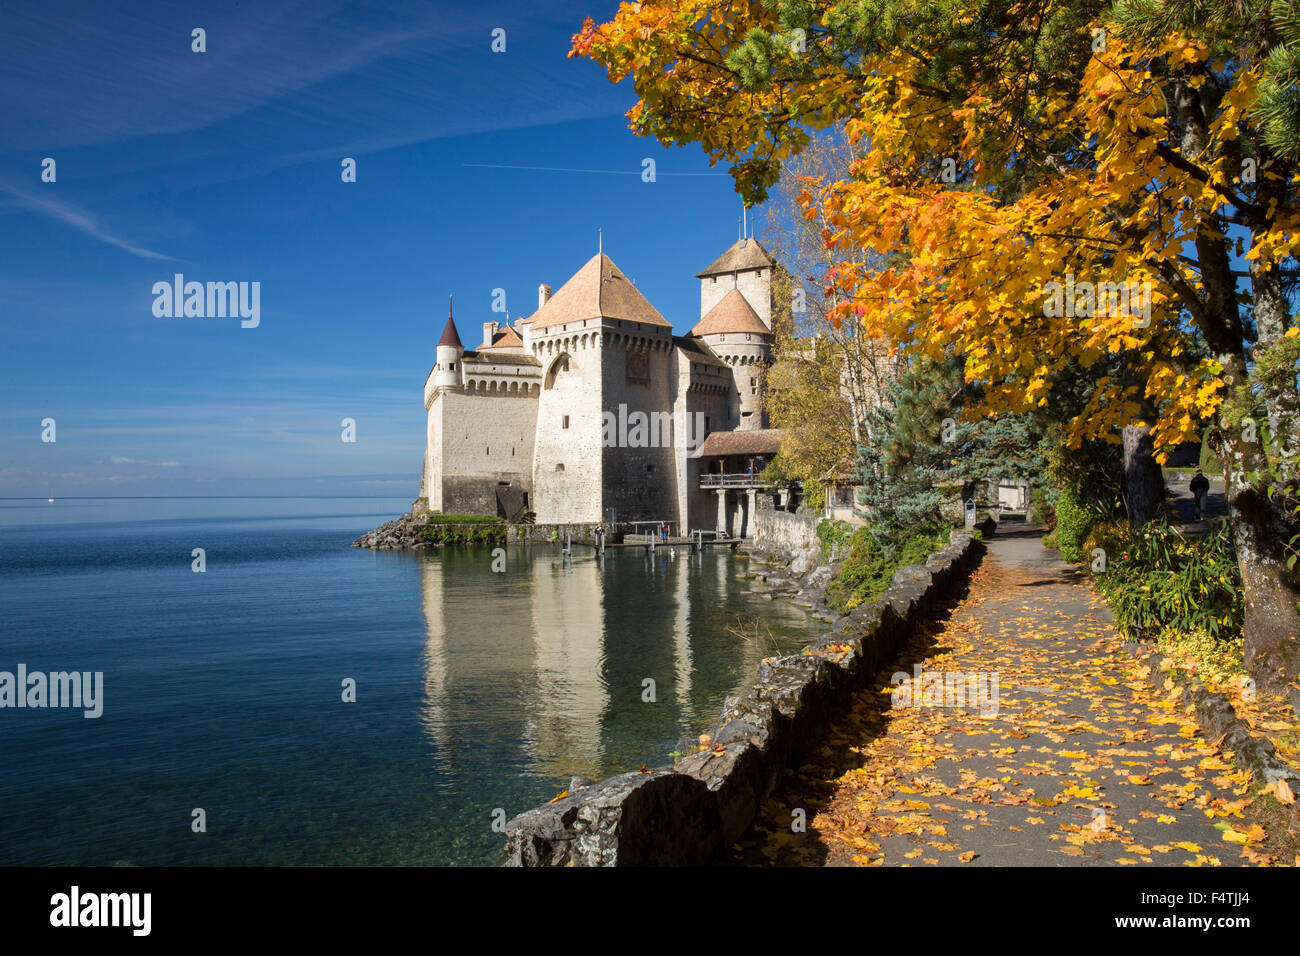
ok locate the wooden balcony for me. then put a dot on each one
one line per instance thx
(745, 480)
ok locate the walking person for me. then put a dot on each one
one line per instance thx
(1199, 486)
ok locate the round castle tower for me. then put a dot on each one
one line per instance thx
(736, 305)
(734, 333)
(447, 370)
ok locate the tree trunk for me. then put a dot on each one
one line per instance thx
(1272, 314)
(1144, 482)
(1260, 529)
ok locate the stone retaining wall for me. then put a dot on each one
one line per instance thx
(782, 531)
(582, 533)
(690, 813)
(1218, 718)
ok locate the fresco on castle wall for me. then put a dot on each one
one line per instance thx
(638, 367)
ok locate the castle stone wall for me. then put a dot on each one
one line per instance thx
(640, 483)
(747, 359)
(482, 441)
(568, 460)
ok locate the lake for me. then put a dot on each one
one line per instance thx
(223, 690)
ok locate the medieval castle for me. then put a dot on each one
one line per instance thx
(592, 410)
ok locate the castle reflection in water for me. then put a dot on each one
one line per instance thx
(545, 664)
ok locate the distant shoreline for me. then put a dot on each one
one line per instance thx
(189, 497)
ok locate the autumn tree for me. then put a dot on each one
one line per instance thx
(803, 396)
(1137, 153)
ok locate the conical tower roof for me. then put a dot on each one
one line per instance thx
(741, 256)
(449, 334)
(733, 313)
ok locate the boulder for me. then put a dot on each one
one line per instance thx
(818, 578)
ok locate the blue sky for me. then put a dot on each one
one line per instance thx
(225, 166)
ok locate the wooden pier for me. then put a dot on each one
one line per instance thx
(651, 542)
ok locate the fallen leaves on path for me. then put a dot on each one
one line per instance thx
(1081, 762)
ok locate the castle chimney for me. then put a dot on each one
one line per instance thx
(489, 330)
(543, 294)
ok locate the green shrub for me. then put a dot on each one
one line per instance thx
(919, 547)
(1073, 520)
(864, 576)
(869, 569)
(465, 529)
(1043, 512)
(778, 472)
(437, 518)
(1049, 540)
(1209, 461)
(1111, 536)
(1166, 580)
(831, 533)
(814, 495)
(1215, 660)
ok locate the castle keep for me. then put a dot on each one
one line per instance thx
(592, 410)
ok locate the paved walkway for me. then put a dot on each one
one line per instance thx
(1084, 763)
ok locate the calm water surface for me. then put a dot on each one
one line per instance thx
(222, 690)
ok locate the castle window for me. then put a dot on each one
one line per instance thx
(487, 451)
(715, 280)
(649, 469)
(566, 422)
(722, 337)
(760, 273)
(559, 467)
(746, 336)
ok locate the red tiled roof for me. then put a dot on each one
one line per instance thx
(743, 255)
(733, 313)
(753, 441)
(597, 290)
(506, 338)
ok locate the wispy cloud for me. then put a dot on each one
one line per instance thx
(117, 460)
(78, 219)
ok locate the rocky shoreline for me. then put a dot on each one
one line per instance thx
(404, 532)
(799, 576)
